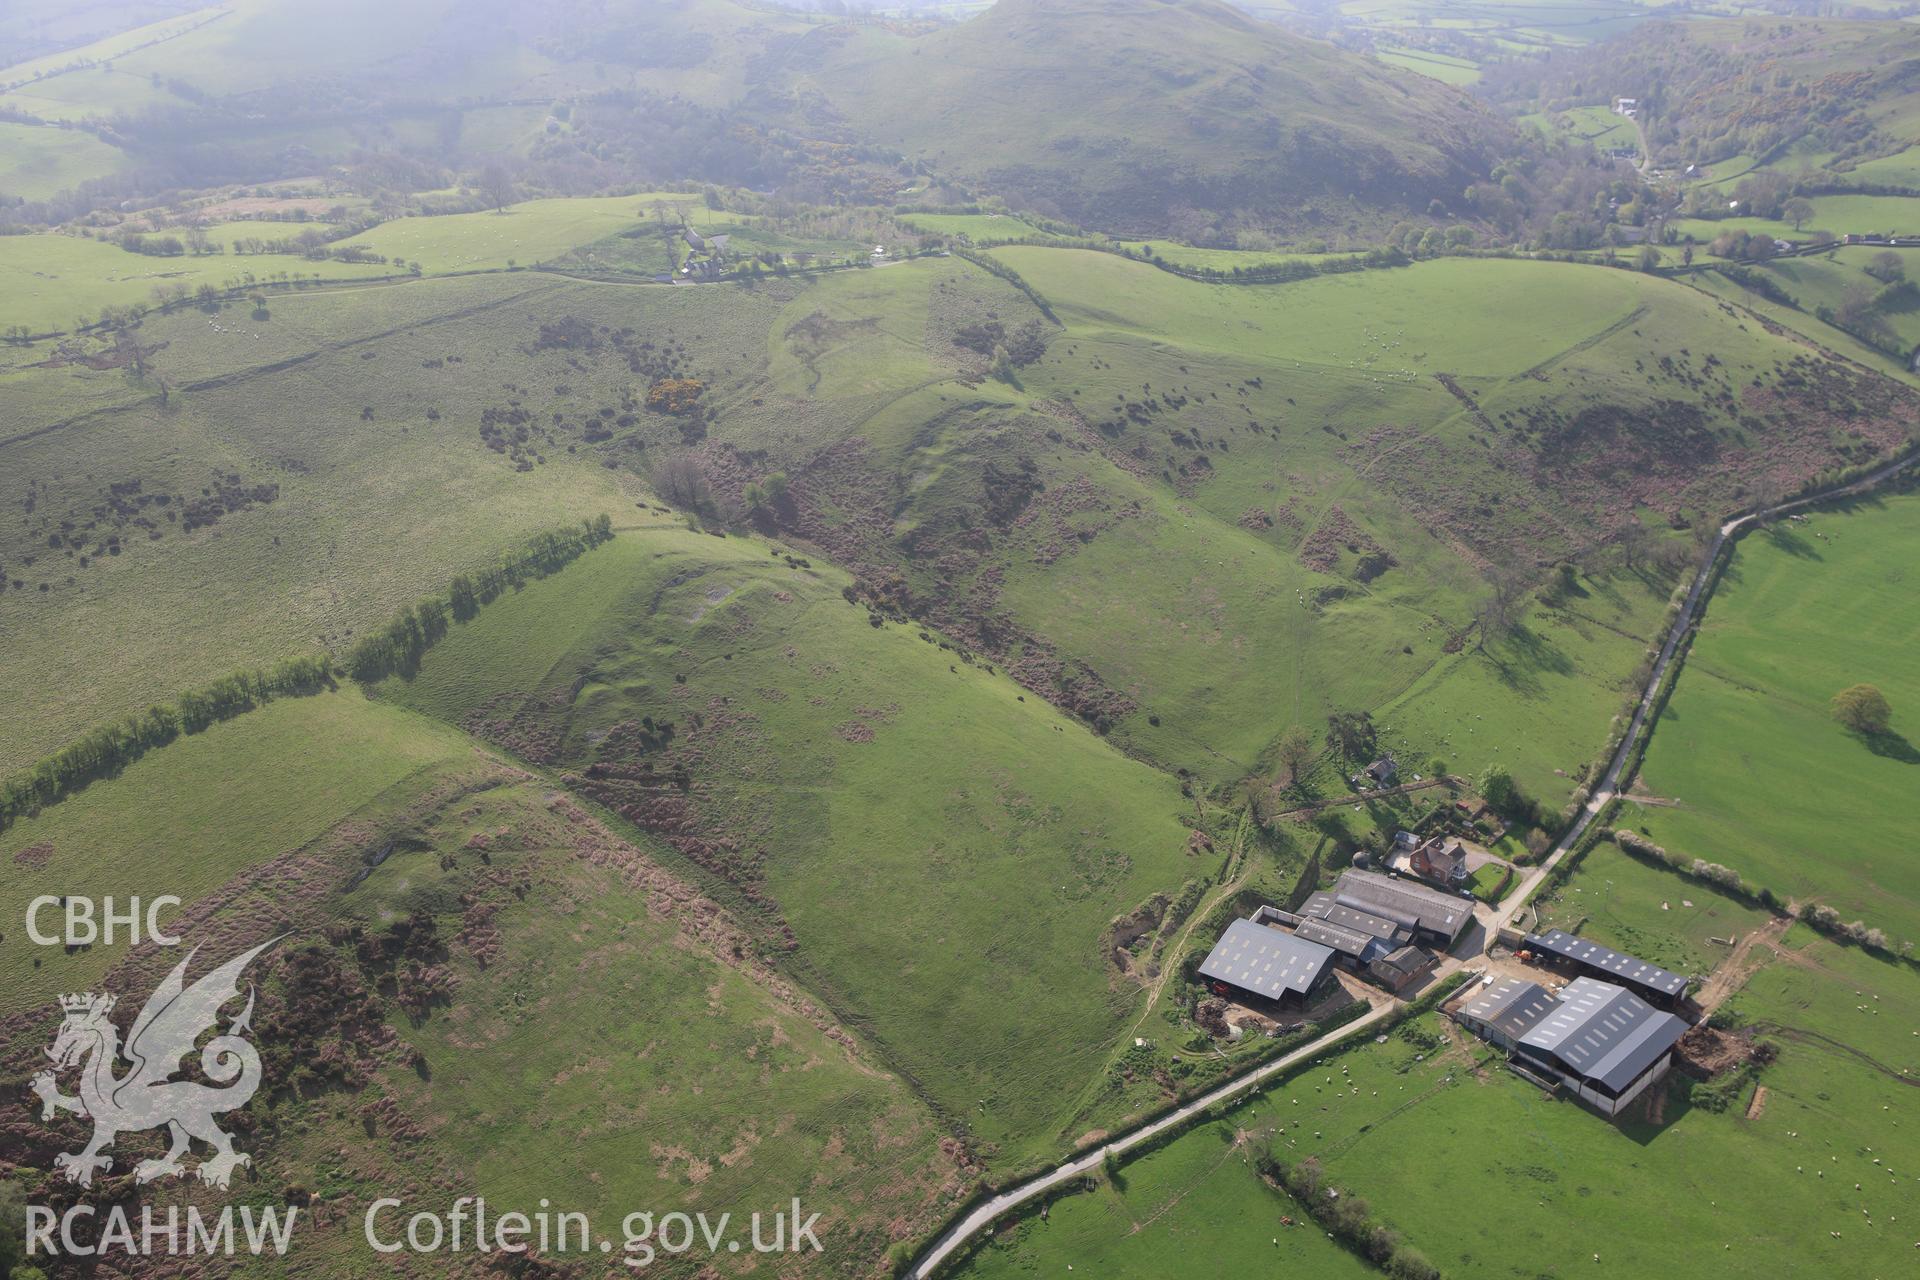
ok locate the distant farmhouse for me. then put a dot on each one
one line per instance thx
(1598, 1040)
(1628, 107)
(713, 247)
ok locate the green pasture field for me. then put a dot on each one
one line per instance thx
(1840, 214)
(1227, 259)
(190, 817)
(225, 233)
(981, 228)
(1714, 284)
(1601, 126)
(1748, 765)
(51, 281)
(1521, 312)
(90, 94)
(1832, 279)
(1444, 67)
(1646, 911)
(56, 66)
(983, 892)
(1197, 1198)
(1539, 701)
(1704, 1190)
(1901, 169)
(37, 162)
(526, 233)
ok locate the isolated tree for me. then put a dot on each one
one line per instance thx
(1497, 787)
(753, 497)
(1797, 211)
(1863, 709)
(497, 186)
(1351, 733)
(681, 481)
(1499, 610)
(775, 486)
(1887, 267)
(1295, 751)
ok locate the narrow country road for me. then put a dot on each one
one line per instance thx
(982, 1215)
(1610, 781)
(958, 1233)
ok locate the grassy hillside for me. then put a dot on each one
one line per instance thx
(304, 476)
(1274, 443)
(743, 710)
(191, 818)
(438, 911)
(1747, 766)
(1120, 113)
(36, 162)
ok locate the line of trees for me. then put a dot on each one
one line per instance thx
(995, 267)
(1345, 1216)
(398, 647)
(105, 751)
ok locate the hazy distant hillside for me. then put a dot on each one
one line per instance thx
(38, 28)
(1124, 113)
(1118, 113)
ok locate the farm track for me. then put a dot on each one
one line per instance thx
(1539, 371)
(240, 377)
(1732, 973)
(1803, 1036)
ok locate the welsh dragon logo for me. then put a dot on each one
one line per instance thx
(147, 1096)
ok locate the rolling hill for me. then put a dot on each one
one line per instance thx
(1125, 113)
(1121, 113)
